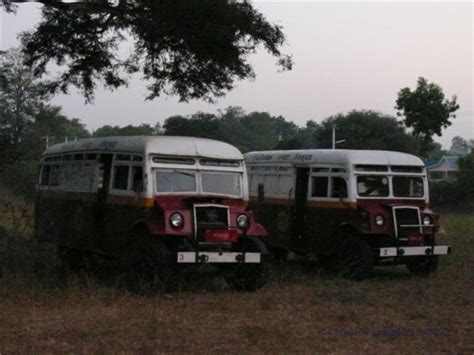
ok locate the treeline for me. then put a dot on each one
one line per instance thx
(29, 122)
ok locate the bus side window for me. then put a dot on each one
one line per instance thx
(137, 179)
(319, 186)
(285, 185)
(120, 177)
(45, 174)
(55, 175)
(339, 187)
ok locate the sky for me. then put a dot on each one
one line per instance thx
(347, 55)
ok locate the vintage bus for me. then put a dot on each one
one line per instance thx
(351, 208)
(159, 204)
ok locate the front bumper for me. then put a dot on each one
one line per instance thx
(414, 251)
(207, 257)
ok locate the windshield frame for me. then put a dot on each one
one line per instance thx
(390, 176)
(198, 176)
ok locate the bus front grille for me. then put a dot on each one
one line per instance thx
(210, 217)
(406, 221)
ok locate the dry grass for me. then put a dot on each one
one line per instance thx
(299, 310)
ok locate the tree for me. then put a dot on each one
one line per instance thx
(51, 123)
(464, 177)
(426, 111)
(436, 152)
(459, 146)
(21, 168)
(204, 125)
(194, 49)
(21, 98)
(255, 130)
(365, 130)
(142, 130)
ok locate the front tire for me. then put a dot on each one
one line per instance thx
(354, 258)
(148, 265)
(249, 277)
(71, 259)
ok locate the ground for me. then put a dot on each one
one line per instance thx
(301, 309)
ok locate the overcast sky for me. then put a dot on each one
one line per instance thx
(347, 56)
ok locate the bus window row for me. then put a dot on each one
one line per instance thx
(88, 176)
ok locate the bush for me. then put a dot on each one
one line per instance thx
(21, 178)
(456, 195)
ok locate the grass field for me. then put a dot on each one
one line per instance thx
(300, 310)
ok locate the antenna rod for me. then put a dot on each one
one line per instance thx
(333, 136)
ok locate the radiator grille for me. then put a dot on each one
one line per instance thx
(209, 217)
(407, 220)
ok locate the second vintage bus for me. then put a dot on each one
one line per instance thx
(352, 208)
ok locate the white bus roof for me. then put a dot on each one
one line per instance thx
(333, 156)
(162, 145)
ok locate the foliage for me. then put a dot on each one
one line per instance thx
(21, 98)
(194, 49)
(253, 131)
(459, 146)
(262, 131)
(50, 123)
(426, 111)
(204, 125)
(26, 119)
(143, 129)
(466, 174)
(436, 151)
(256, 130)
(456, 195)
(365, 130)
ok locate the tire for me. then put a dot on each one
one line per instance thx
(279, 254)
(354, 258)
(249, 277)
(328, 262)
(71, 259)
(424, 266)
(148, 268)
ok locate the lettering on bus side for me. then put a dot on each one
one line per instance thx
(107, 144)
(303, 157)
(263, 157)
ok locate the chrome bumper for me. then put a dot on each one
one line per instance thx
(414, 251)
(202, 257)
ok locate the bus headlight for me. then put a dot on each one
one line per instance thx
(427, 220)
(242, 221)
(176, 220)
(379, 220)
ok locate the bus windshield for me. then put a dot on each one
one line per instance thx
(176, 181)
(407, 186)
(213, 182)
(378, 186)
(221, 183)
(372, 186)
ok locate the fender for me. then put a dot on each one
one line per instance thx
(256, 230)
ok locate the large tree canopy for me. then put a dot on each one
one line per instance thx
(365, 129)
(426, 111)
(193, 49)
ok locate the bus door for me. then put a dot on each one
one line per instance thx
(301, 196)
(105, 166)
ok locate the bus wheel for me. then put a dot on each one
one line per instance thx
(279, 254)
(249, 277)
(148, 269)
(73, 259)
(424, 266)
(354, 258)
